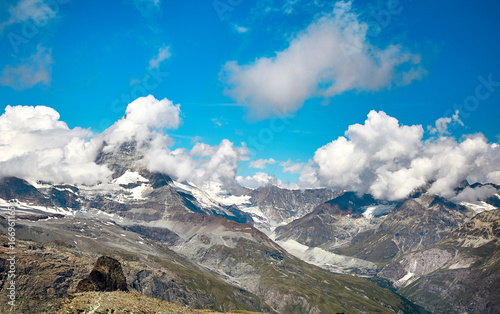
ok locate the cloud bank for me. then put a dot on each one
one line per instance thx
(331, 56)
(36, 144)
(389, 160)
(380, 157)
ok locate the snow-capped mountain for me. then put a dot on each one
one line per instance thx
(264, 239)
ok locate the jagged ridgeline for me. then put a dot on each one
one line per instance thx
(228, 248)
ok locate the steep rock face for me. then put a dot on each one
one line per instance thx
(15, 188)
(281, 205)
(119, 161)
(460, 273)
(158, 234)
(107, 275)
(332, 223)
(414, 224)
(482, 229)
(65, 196)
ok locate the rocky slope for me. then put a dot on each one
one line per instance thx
(334, 222)
(105, 290)
(54, 255)
(414, 224)
(278, 206)
(460, 273)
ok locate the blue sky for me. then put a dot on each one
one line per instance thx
(89, 59)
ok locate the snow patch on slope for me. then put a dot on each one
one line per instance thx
(129, 177)
(328, 260)
(478, 207)
(24, 207)
(200, 195)
(405, 280)
(216, 192)
(377, 210)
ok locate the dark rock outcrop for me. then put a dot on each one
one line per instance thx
(107, 275)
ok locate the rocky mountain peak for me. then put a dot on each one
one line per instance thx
(352, 203)
(121, 159)
(16, 188)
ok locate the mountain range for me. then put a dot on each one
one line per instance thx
(272, 250)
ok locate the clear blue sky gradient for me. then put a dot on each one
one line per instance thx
(99, 47)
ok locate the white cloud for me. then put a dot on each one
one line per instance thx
(37, 145)
(144, 119)
(289, 166)
(264, 179)
(470, 194)
(163, 54)
(329, 57)
(39, 11)
(196, 139)
(219, 121)
(257, 180)
(240, 29)
(203, 163)
(308, 176)
(261, 163)
(35, 69)
(388, 160)
(442, 124)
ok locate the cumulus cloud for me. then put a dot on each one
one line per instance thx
(442, 124)
(308, 176)
(35, 144)
(39, 11)
(203, 163)
(261, 163)
(259, 179)
(390, 160)
(163, 54)
(470, 194)
(35, 69)
(144, 120)
(331, 56)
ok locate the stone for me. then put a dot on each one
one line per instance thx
(107, 275)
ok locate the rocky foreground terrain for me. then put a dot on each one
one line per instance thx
(105, 290)
(122, 302)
